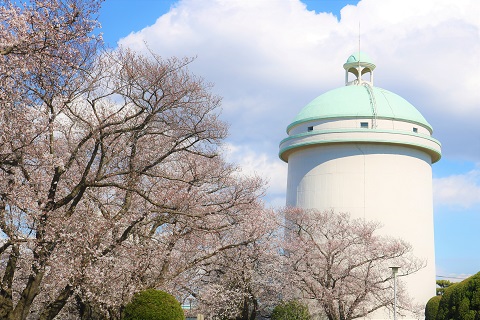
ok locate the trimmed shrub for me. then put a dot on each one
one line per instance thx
(291, 310)
(153, 304)
(431, 308)
(461, 301)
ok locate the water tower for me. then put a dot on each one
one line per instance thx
(367, 151)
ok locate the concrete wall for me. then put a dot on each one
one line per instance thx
(383, 182)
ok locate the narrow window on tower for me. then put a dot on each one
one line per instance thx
(364, 125)
(415, 130)
(310, 129)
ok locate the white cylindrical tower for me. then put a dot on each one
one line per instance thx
(367, 151)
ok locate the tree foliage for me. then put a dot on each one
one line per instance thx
(342, 264)
(461, 300)
(291, 310)
(442, 285)
(431, 309)
(111, 174)
(245, 282)
(153, 304)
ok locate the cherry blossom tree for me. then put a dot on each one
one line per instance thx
(245, 282)
(342, 264)
(112, 179)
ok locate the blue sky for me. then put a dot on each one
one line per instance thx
(269, 58)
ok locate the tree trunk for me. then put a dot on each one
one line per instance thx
(88, 311)
(6, 303)
(54, 307)
(22, 309)
(32, 288)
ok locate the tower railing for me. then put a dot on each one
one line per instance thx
(373, 103)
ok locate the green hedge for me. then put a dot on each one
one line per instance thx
(460, 301)
(432, 308)
(153, 304)
(291, 310)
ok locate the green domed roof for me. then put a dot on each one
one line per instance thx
(355, 102)
(359, 56)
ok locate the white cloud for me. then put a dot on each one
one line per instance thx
(460, 190)
(454, 277)
(273, 170)
(259, 40)
(268, 59)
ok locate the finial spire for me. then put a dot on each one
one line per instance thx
(359, 42)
